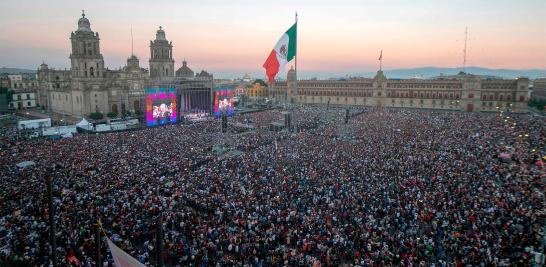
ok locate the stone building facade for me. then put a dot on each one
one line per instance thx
(161, 56)
(539, 89)
(463, 92)
(88, 86)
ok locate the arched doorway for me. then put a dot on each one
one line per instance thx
(115, 108)
(136, 105)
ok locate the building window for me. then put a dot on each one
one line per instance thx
(28, 104)
(521, 98)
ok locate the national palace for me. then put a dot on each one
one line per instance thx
(464, 92)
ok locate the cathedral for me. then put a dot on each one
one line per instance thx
(90, 87)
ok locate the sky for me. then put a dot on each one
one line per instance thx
(233, 37)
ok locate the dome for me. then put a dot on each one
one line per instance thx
(184, 71)
(83, 24)
(291, 75)
(160, 35)
(133, 63)
(292, 70)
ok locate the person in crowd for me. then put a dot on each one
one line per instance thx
(388, 188)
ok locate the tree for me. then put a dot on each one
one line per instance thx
(96, 116)
(7, 93)
(112, 115)
(537, 103)
(261, 82)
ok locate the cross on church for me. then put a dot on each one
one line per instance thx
(83, 13)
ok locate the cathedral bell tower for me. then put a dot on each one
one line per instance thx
(161, 56)
(86, 59)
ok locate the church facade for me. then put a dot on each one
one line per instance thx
(90, 87)
(462, 92)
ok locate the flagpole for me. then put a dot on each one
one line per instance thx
(296, 54)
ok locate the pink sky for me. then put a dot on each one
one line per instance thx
(237, 35)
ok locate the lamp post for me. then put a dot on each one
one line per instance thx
(51, 212)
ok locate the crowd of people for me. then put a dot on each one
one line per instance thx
(390, 187)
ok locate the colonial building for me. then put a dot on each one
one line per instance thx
(88, 86)
(462, 92)
(22, 99)
(539, 89)
(18, 81)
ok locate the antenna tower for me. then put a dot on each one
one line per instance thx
(464, 50)
(132, 52)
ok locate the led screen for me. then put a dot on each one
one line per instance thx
(223, 100)
(160, 106)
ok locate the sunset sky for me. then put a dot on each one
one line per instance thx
(235, 37)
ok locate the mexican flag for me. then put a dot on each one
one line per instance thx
(284, 51)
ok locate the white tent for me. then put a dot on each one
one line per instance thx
(84, 122)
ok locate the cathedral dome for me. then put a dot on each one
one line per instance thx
(84, 24)
(184, 71)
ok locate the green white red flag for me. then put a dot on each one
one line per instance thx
(282, 53)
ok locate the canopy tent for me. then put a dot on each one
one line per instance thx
(83, 123)
(25, 164)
